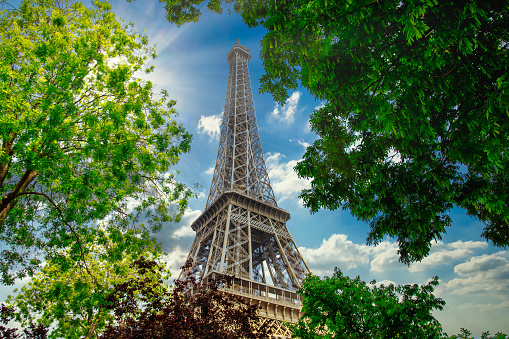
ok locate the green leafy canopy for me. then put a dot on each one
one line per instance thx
(69, 295)
(84, 142)
(416, 108)
(342, 307)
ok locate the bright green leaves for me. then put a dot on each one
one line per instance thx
(116, 79)
(341, 307)
(58, 19)
(80, 136)
(70, 295)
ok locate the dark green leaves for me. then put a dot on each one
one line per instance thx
(418, 86)
(411, 85)
(342, 307)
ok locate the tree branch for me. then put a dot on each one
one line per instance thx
(4, 166)
(13, 8)
(68, 225)
(9, 201)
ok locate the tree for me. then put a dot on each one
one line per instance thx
(191, 310)
(32, 332)
(83, 140)
(466, 334)
(341, 307)
(70, 296)
(415, 118)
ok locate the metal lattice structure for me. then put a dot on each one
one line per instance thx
(239, 164)
(242, 231)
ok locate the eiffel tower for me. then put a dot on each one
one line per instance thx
(242, 231)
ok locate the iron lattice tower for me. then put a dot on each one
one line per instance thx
(242, 231)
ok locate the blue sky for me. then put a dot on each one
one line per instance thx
(192, 66)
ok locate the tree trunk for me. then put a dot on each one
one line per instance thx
(4, 166)
(9, 201)
(91, 329)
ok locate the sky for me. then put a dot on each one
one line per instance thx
(191, 65)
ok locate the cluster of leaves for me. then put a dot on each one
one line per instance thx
(31, 332)
(70, 293)
(341, 307)
(466, 334)
(416, 109)
(190, 310)
(81, 137)
(120, 292)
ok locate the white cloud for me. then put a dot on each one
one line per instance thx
(286, 113)
(184, 232)
(210, 125)
(443, 254)
(482, 263)
(285, 181)
(343, 253)
(486, 275)
(174, 260)
(210, 171)
(303, 143)
(176, 240)
(322, 104)
(185, 229)
(385, 282)
(487, 284)
(491, 307)
(478, 296)
(485, 307)
(307, 127)
(337, 251)
(385, 257)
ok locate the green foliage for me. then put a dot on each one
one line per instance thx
(31, 332)
(185, 11)
(192, 310)
(416, 114)
(70, 295)
(466, 334)
(341, 307)
(83, 140)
